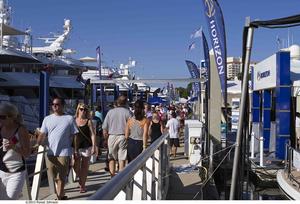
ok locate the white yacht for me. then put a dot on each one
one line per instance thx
(20, 65)
(123, 72)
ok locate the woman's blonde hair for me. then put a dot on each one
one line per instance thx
(82, 105)
(155, 115)
(11, 111)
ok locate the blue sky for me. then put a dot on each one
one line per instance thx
(156, 33)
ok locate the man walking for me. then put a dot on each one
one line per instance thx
(58, 131)
(114, 130)
(173, 126)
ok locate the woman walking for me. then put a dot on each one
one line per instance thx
(84, 144)
(15, 146)
(156, 127)
(136, 132)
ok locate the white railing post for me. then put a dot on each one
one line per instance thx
(261, 152)
(146, 177)
(153, 182)
(252, 145)
(144, 184)
(40, 158)
(156, 166)
(160, 173)
(166, 168)
(149, 173)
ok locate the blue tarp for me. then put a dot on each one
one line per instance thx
(156, 100)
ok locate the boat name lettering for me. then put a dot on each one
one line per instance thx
(216, 47)
(261, 75)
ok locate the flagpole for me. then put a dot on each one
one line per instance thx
(242, 110)
(199, 95)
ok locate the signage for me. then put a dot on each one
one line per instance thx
(235, 114)
(264, 74)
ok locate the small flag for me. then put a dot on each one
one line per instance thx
(193, 69)
(278, 40)
(197, 33)
(192, 46)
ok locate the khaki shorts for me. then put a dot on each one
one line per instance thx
(117, 147)
(58, 167)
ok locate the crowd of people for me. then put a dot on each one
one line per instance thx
(125, 131)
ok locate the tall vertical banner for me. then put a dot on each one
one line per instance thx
(215, 22)
(193, 69)
(98, 56)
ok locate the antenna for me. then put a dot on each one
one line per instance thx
(288, 40)
(278, 41)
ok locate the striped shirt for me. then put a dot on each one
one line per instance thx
(60, 130)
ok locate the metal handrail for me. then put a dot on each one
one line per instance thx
(289, 163)
(124, 178)
(32, 192)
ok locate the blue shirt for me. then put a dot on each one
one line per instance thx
(99, 115)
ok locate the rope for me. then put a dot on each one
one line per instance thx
(219, 151)
(214, 170)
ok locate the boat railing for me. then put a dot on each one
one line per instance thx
(145, 178)
(31, 193)
(261, 148)
(292, 163)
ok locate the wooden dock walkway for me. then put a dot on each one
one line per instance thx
(97, 177)
(182, 185)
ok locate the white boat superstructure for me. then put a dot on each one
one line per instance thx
(11, 49)
(20, 65)
(123, 72)
(56, 43)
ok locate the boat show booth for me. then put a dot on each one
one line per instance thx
(275, 82)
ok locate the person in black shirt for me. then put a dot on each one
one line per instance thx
(155, 128)
(84, 144)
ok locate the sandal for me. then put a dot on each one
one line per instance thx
(82, 190)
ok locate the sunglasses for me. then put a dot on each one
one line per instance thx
(3, 117)
(82, 109)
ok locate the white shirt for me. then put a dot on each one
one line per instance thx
(173, 125)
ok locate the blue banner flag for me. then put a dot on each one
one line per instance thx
(215, 21)
(102, 95)
(207, 61)
(193, 69)
(98, 56)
